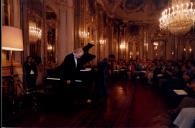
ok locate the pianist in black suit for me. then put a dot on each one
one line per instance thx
(71, 64)
(69, 72)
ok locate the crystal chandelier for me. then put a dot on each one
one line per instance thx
(179, 18)
(34, 32)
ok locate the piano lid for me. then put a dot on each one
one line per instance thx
(87, 47)
(87, 56)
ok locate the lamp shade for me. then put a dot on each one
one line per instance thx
(12, 38)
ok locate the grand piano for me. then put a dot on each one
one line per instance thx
(79, 87)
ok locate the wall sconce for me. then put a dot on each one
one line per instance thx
(184, 49)
(83, 34)
(35, 32)
(155, 43)
(130, 54)
(122, 46)
(49, 47)
(102, 41)
(190, 50)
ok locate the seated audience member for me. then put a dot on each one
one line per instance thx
(169, 119)
(101, 78)
(189, 100)
(191, 88)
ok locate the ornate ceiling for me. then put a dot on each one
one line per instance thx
(144, 11)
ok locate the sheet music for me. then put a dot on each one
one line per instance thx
(85, 70)
(79, 81)
(52, 78)
(180, 92)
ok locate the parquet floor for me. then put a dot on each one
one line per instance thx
(128, 105)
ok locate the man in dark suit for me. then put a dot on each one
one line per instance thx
(71, 64)
(72, 74)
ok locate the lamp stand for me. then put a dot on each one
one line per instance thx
(12, 40)
(12, 90)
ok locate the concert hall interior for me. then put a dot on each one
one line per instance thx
(98, 63)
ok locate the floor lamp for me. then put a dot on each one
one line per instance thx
(12, 41)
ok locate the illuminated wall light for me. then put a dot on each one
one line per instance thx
(130, 54)
(102, 41)
(34, 32)
(49, 47)
(190, 50)
(122, 45)
(155, 43)
(83, 34)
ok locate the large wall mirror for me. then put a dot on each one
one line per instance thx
(51, 26)
(32, 23)
(35, 34)
(40, 30)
